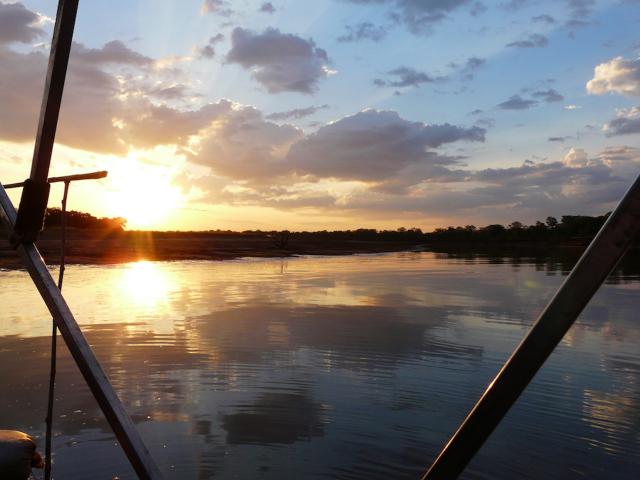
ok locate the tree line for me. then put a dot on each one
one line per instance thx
(75, 219)
(569, 229)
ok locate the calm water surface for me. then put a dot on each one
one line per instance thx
(343, 367)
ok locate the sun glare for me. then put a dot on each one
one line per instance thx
(144, 284)
(144, 195)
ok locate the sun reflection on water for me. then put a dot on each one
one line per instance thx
(144, 284)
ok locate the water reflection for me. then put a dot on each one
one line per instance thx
(144, 283)
(345, 367)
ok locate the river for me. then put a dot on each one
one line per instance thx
(327, 367)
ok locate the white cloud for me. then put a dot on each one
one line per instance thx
(618, 75)
(576, 158)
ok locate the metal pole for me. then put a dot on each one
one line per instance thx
(66, 178)
(595, 264)
(33, 202)
(53, 88)
(79, 348)
(54, 338)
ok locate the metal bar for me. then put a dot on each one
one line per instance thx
(84, 357)
(593, 267)
(53, 87)
(54, 338)
(66, 178)
(33, 202)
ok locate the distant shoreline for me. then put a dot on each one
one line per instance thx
(96, 248)
(99, 248)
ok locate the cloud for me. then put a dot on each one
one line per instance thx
(376, 146)
(208, 51)
(477, 9)
(579, 12)
(576, 158)
(18, 24)
(101, 111)
(513, 5)
(548, 96)
(419, 17)
(363, 31)
(217, 7)
(267, 7)
(577, 183)
(171, 92)
(296, 113)
(534, 40)
(114, 52)
(279, 62)
(544, 18)
(626, 122)
(618, 75)
(471, 66)
(239, 143)
(516, 102)
(405, 77)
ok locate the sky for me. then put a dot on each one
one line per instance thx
(332, 114)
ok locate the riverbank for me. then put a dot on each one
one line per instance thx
(90, 247)
(96, 247)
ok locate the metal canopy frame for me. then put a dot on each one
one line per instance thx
(602, 255)
(24, 226)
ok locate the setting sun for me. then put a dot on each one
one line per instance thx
(143, 194)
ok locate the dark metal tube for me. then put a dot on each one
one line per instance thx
(33, 203)
(54, 340)
(66, 178)
(595, 264)
(53, 88)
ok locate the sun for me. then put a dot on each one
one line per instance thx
(143, 194)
